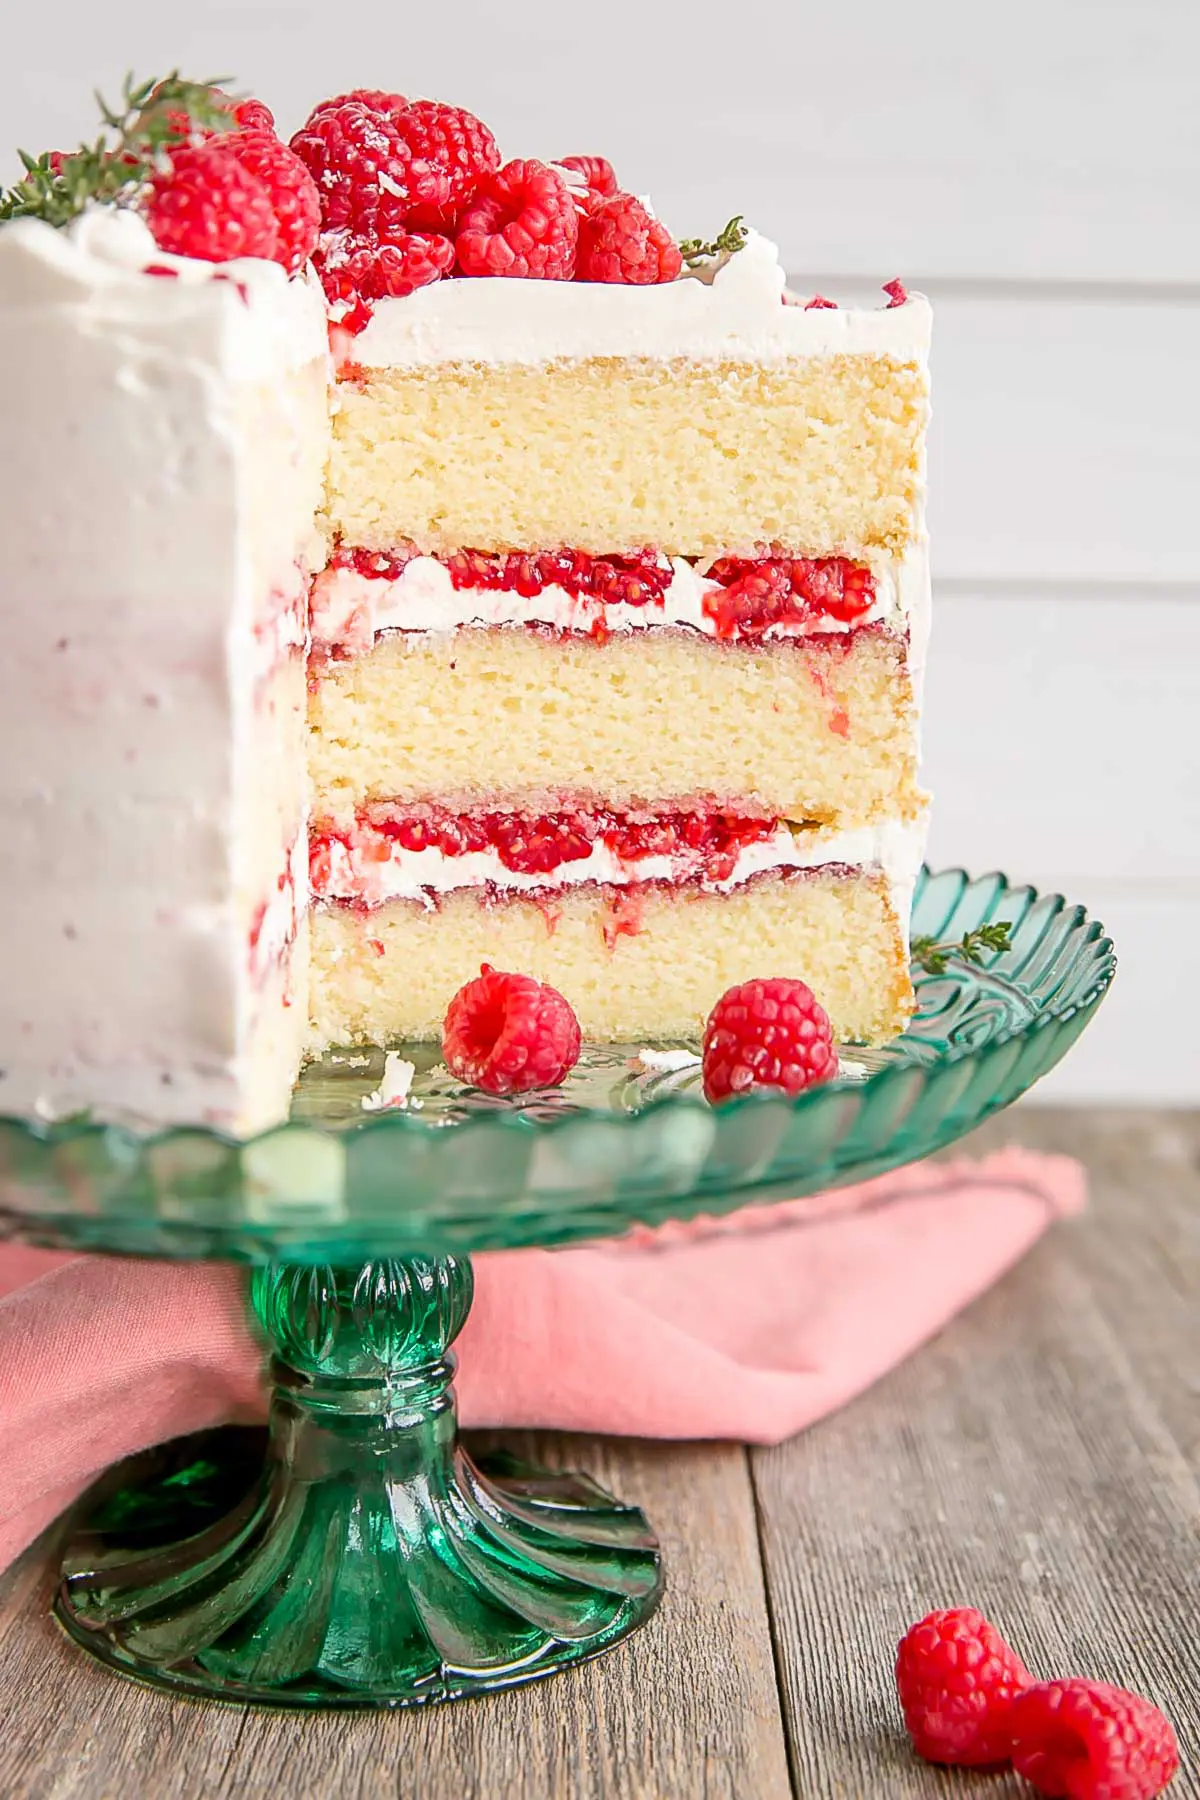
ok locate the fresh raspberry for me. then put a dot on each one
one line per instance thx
(522, 222)
(620, 241)
(456, 141)
(957, 1679)
(767, 1034)
(292, 190)
(509, 1033)
(596, 173)
(819, 303)
(254, 115)
(354, 269)
(207, 205)
(374, 99)
(1085, 1740)
(369, 179)
(896, 292)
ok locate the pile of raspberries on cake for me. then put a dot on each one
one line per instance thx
(387, 194)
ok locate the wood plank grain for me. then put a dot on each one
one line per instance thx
(1020, 1462)
(1141, 1246)
(687, 1708)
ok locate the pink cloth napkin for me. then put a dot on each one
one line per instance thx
(749, 1327)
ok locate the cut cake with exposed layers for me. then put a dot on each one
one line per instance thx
(542, 497)
(558, 717)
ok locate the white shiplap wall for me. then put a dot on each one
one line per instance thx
(1037, 170)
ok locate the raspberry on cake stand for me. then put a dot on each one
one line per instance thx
(366, 1560)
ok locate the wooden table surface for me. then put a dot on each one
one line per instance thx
(1041, 1458)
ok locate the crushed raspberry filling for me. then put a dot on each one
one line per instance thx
(536, 844)
(756, 594)
(638, 580)
(748, 596)
(378, 565)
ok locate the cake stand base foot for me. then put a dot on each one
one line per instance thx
(194, 1570)
(361, 1558)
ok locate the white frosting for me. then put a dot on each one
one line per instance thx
(895, 848)
(162, 464)
(740, 314)
(663, 1062)
(350, 610)
(393, 1089)
(244, 317)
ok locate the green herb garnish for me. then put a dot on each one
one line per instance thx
(933, 957)
(695, 252)
(153, 116)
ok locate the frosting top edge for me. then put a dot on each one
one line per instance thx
(740, 315)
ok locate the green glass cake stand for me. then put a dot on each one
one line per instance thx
(368, 1561)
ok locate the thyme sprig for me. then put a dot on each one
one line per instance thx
(151, 116)
(933, 957)
(696, 253)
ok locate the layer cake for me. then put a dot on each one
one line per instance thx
(613, 593)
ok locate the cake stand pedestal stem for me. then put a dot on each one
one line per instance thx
(369, 1562)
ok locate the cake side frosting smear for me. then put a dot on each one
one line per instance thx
(165, 444)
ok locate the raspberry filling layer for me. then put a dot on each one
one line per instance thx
(736, 599)
(392, 850)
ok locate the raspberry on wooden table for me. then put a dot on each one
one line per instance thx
(508, 1034)
(1085, 1740)
(521, 222)
(292, 190)
(207, 205)
(619, 240)
(767, 1034)
(957, 1680)
(456, 141)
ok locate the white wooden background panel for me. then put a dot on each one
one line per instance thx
(1142, 1047)
(1045, 139)
(1062, 745)
(1065, 443)
(1062, 739)
(1037, 170)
